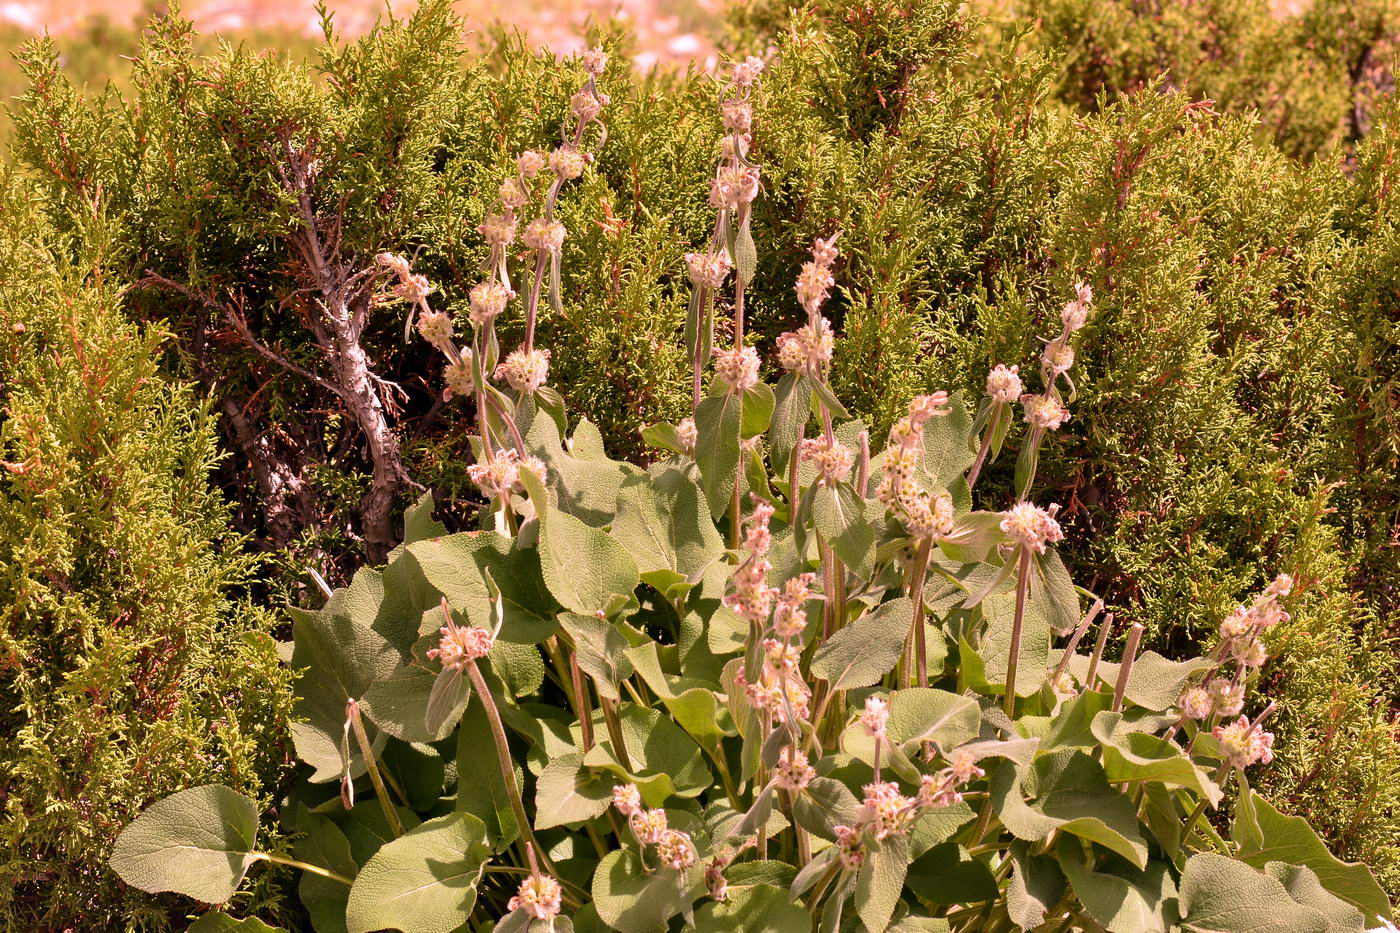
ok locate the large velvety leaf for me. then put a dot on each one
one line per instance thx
(583, 479)
(1221, 895)
(1154, 683)
(601, 651)
(344, 659)
(866, 649)
(947, 874)
(325, 846)
(1145, 902)
(717, 423)
(1035, 887)
(663, 521)
(457, 565)
(1265, 835)
(918, 715)
(198, 842)
(481, 788)
(1137, 756)
(1067, 790)
(691, 703)
(793, 409)
(223, 923)
(1000, 611)
(839, 515)
(631, 900)
(664, 759)
(424, 881)
(881, 881)
(567, 792)
(586, 569)
(1302, 885)
(759, 907)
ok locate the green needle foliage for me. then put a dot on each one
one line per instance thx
(1237, 385)
(129, 669)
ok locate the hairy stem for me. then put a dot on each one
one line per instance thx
(304, 866)
(352, 712)
(1023, 580)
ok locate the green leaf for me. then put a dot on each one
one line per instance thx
(663, 436)
(745, 254)
(948, 445)
(1221, 895)
(1303, 886)
(418, 521)
(1072, 724)
(821, 392)
(1034, 889)
(585, 568)
(420, 771)
(601, 651)
(664, 759)
(1141, 902)
(568, 793)
(223, 923)
(791, 411)
(581, 476)
(881, 881)
(918, 715)
(198, 842)
(839, 515)
(449, 696)
(663, 521)
(974, 536)
(947, 874)
(760, 907)
(717, 423)
(481, 788)
(457, 567)
(865, 650)
(325, 846)
(1154, 682)
(1265, 835)
(1067, 790)
(759, 402)
(630, 900)
(1052, 590)
(344, 659)
(424, 881)
(824, 803)
(1000, 612)
(692, 704)
(1137, 756)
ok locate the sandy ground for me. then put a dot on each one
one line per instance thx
(668, 30)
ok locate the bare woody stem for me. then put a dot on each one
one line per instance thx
(498, 733)
(1077, 637)
(585, 714)
(352, 712)
(1126, 668)
(916, 596)
(614, 727)
(981, 460)
(1023, 580)
(1097, 656)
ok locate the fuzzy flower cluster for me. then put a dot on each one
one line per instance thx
(461, 644)
(810, 347)
(1219, 696)
(1241, 629)
(409, 286)
(832, 458)
(885, 811)
(1045, 412)
(708, 270)
(1004, 384)
(488, 301)
(500, 476)
(1244, 743)
(1031, 526)
(925, 516)
(674, 848)
(715, 882)
(1076, 312)
(525, 370)
(539, 896)
(737, 368)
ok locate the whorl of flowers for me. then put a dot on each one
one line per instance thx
(1196, 703)
(1031, 526)
(792, 772)
(436, 328)
(809, 348)
(525, 371)
(1226, 696)
(458, 376)
(737, 368)
(944, 788)
(498, 230)
(627, 799)
(674, 848)
(789, 610)
(544, 234)
(539, 896)
(1046, 412)
(501, 475)
(488, 301)
(1243, 743)
(886, 811)
(752, 598)
(832, 458)
(687, 433)
(1076, 312)
(461, 644)
(530, 163)
(1004, 384)
(734, 187)
(874, 717)
(901, 494)
(708, 270)
(851, 850)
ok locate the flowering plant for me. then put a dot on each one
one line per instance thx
(770, 681)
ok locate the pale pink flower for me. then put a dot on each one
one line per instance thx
(1004, 384)
(675, 850)
(1030, 525)
(832, 459)
(627, 798)
(530, 163)
(543, 234)
(737, 368)
(525, 371)
(460, 644)
(792, 773)
(1044, 411)
(875, 716)
(566, 162)
(539, 896)
(436, 328)
(1196, 703)
(488, 300)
